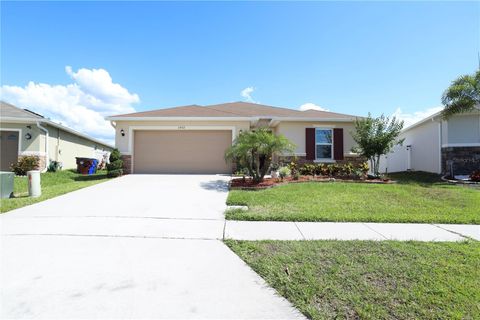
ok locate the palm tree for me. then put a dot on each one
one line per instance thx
(463, 95)
(255, 149)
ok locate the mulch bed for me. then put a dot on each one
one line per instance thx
(249, 184)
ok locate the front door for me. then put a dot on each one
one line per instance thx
(8, 149)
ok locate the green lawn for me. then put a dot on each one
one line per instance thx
(53, 184)
(417, 197)
(371, 280)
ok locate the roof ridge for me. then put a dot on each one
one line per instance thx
(267, 105)
(145, 111)
(342, 114)
(237, 114)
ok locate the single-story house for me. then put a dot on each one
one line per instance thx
(26, 133)
(193, 138)
(439, 146)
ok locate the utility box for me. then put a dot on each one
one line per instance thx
(34, 188)
(6, 184)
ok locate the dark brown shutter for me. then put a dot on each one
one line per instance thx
(338, 143)
(310, 143)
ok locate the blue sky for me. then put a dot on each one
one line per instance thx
(346, 57)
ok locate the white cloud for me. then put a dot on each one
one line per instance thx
(81, 105)
(247, 94)
(311, 106)
(411, 118)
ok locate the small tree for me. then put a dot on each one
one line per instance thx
(462, 95)
(376, 137)
(114, 168)
(255, 149)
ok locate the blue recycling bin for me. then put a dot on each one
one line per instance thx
(87, 165)
(93, 167)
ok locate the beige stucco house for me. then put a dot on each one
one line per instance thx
(193, 139)
(438, 145)
(23, 132)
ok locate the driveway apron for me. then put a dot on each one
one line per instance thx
(139, 246)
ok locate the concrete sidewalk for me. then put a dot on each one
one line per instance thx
(273, 230)
(218, 229)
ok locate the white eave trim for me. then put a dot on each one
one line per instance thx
(180, 118)
(296, 119)
(437, 117)
(273, 122)
(53, 124)
(419, 123)
(19, 120)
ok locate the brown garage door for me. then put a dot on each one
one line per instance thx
(188, 151)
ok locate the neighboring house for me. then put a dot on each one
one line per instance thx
(25, 133)
(438, 146)
(193, 139)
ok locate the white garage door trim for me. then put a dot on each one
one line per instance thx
(132, 129)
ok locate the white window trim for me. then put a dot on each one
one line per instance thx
(317, 159)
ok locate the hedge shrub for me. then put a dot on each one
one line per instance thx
(115, 167)
(24, 164)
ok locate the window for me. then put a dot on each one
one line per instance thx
(323, 143)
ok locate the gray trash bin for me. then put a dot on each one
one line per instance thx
(6, 184)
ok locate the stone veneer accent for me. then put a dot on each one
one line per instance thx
(464, 160)
(127, 163)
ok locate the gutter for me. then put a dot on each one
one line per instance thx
(179, 118)
(55, 125)
(47, 157)
(251, 119)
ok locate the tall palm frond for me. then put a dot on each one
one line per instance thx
(463, 95)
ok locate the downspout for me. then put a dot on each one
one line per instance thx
(47, 157)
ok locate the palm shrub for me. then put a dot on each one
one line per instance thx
(115, 167)
(255, 149)
(463, 95)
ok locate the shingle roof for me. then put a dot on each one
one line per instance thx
(9, 111)
(235, 109)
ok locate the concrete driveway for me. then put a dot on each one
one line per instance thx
(140, 246)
